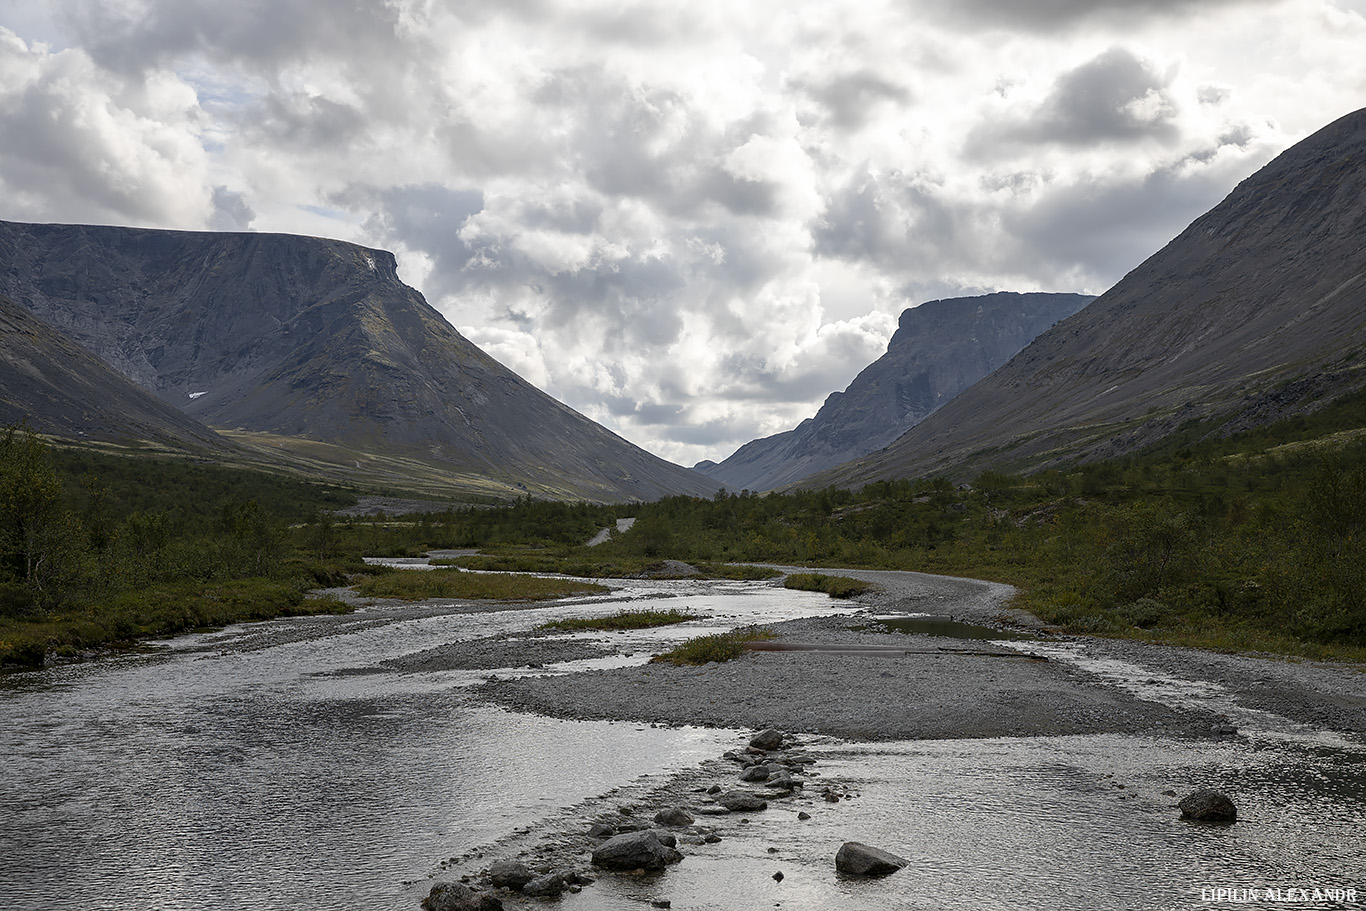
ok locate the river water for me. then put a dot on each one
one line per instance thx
(272, 765)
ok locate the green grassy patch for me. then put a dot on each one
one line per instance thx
(716, 647)
(834, 586)
(156, 611)
(622, 620)
(421, 585)
(585, 567)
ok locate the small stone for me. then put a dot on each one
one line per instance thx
(803, 815)
(714, 789)
(1208, 806)
(741, 801)
(601, 830)
(661, 903)
(857, 859)
(778, 877)
(547, 886)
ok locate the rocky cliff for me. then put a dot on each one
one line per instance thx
(59, 388)
(318, 340)
(939, 349)
(1254, 312)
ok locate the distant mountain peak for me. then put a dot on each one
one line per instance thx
(939, 348)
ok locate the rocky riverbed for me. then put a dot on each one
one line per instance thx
(853, 680)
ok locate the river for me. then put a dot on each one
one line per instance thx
(276, 765)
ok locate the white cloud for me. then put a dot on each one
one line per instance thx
(691, 223)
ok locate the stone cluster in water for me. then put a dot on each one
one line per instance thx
(626, 842)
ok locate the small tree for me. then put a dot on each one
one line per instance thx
(40, 538)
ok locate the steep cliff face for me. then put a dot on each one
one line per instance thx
(939, 349)
(1255, 311)
(316, 339)
(59, 388)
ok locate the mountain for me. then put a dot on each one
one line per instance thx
(278, 340)
(59, 388)
(939, 349)
(1255, 312)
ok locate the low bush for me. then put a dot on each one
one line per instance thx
(622, 620)
(716, 647)
(834, 586)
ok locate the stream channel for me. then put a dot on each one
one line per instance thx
(278, 765)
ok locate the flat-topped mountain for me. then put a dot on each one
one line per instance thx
(939, 349)
(312, 339)
(1254, 312)
(59, 388)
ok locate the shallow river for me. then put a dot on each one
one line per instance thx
(269, 766)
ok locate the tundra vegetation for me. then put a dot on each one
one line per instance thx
(1255, 541)
(622, 620)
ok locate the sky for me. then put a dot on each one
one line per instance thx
(689, 221)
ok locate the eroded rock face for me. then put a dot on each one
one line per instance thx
(635, 851)
(1208, 806)
(857, 859)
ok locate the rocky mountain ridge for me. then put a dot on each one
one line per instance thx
(939, 349)
(311, 339)
(1255, 312)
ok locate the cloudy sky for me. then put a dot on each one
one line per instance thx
(690, 221)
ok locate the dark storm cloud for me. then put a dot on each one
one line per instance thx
(1053, 14)
(230, 211)
(850, 101)
(1108, 228)
(133, 37)
(891, 220)
(1116, 97)
(303, 121)
(426, 218)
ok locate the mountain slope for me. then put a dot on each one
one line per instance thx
(1255, 311)
(59, 388)
(939, 349)
(316, 339)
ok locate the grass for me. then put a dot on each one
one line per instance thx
(717, 647)
(834, 586)
(156, 611)
(422, 585)
(622, 620)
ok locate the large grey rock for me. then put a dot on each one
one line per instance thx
(674, 816)
(770, 739)
(510, 873)
(1208, 806)
(546, 886)
(857, 859)
(635, 850)
(459, 897)
(741, 801)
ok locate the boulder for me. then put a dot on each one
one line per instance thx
(547, 886)
(1208, 806)
(770, 739)
(857, 859)
(510, 873)
(741, 801)
(459, 897)
(674, 816)
(635, 850)
(755, 773)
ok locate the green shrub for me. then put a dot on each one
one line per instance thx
(622, 620)
(716, 647)
(834, 586)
